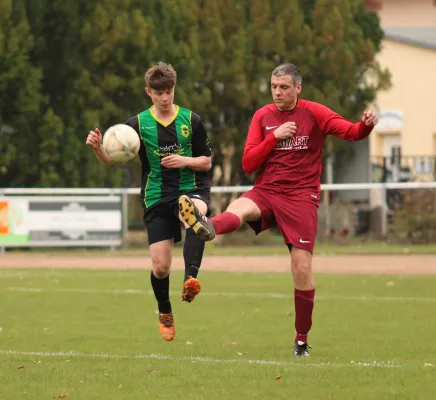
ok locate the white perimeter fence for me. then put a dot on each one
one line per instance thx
(99, 217)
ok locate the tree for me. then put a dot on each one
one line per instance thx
(346, 40)
(90, 72)
(21, 100)
(113, 37)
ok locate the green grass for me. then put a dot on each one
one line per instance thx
(358, 319)
(353, 248)
(348, 248)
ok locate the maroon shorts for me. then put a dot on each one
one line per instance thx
(296, 216)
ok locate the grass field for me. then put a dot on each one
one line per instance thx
(354, 247)
(93, 335)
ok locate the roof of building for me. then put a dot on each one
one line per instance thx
(417, 36)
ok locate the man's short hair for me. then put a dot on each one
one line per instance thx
(289, 69)
(160, 77)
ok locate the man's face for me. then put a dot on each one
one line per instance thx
(284, 92)
(162, 99)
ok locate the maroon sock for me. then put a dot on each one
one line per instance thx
(304, 300)
(225, 223)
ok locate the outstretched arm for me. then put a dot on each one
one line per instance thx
(94, 142)
(332, 123)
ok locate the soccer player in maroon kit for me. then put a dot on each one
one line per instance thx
(284, 144)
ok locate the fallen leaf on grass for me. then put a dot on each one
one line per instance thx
(120, 386)
(188, 342)
(288, 314)
(62, 396)
(239, 354)
(390, 284)
(428, 365)
(21, 367)
(278, 377)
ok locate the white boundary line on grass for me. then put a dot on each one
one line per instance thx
(216, 294)
(374, 364)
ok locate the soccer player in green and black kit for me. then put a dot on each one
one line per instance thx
(176, 158)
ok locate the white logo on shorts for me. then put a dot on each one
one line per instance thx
(304, 241)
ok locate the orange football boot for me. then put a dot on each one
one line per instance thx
(167, 328)
(190, 289)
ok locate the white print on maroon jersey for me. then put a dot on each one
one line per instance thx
(295, 143)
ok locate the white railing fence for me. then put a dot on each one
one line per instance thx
(375, 192)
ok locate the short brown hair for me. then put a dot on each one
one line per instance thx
(288, 69)
(160, 77)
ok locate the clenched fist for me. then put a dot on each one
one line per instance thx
(370, 118)
(286, 130)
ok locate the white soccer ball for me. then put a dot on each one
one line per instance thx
(121, 143)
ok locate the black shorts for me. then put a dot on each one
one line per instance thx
(162, 218)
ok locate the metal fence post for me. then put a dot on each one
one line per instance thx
(2, 248)
(125, 215)
(326, 198)
(384, 212)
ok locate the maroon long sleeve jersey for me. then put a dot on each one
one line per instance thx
(293, 166)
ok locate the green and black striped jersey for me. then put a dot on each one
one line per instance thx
(184, 135)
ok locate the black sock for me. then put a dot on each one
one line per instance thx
(161, 288)
(192, 253)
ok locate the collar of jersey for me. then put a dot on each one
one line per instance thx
(160, 121)
(289, 111)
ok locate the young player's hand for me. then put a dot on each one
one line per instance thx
(370, 118)
(94, 139)
(174, 161)
(285, 131)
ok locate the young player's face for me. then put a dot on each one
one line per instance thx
(162, 99)
(284, 91)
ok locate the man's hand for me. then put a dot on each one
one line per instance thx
(94, 139)
(175, 161)
(370, 118)
(285, 131)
